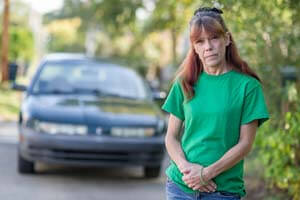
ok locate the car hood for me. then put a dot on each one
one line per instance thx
(105, 111)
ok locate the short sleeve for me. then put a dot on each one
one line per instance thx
(254, 107)
(174, 101)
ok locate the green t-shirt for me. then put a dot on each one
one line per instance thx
(212, 120)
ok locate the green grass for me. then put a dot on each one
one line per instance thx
(9, 103)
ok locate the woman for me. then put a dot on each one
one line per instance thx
(220, 101)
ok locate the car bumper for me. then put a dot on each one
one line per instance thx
(91, 150)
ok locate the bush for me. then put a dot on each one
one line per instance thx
(21, 43)
(278, 142)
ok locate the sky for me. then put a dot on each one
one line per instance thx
(43, 6)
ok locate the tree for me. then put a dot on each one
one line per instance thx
(21, 44)
(63, 35)
(5, 42)
(171, 16)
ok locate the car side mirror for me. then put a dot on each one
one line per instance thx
(159, 95)
(18, 87)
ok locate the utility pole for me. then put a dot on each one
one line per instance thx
(5, 42)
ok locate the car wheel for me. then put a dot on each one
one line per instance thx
(152, 172)
(25, 166)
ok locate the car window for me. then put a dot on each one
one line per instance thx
(109, 79)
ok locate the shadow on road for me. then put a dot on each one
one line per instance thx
(104, 173)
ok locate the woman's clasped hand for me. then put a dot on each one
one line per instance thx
(196, 177)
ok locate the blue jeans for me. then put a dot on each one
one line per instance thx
(175, 193)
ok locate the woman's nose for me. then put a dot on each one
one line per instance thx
(207, 45)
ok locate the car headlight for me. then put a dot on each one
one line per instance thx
(133, 132)
(63, 129)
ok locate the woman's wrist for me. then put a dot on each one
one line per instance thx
(181, 164)
(203, 180)
(208, 173)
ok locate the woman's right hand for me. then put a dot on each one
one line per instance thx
(209, 187)
(184, 167)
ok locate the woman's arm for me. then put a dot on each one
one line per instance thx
(173, 145)
(172, 141)
(235, 154)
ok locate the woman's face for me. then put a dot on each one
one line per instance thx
(211, 49)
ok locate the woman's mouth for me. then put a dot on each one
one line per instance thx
(211, 56)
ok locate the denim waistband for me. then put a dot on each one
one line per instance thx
(224, 193)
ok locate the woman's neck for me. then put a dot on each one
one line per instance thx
(217, 70)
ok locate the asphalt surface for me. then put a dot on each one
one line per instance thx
(64, 183)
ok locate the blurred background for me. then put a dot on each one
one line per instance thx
(151, 37)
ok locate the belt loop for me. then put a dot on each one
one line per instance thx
(198, 195)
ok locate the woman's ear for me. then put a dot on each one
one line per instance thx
(227, 38)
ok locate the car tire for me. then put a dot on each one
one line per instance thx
(152, 172)
(25, 166)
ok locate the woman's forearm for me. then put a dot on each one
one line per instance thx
(172, 142)
(236, 153)
(228, 160)
(175, 151)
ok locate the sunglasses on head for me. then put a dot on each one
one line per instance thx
(207, 9)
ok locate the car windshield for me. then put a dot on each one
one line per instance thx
(93, 78)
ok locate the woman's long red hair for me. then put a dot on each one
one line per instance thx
(191, 67)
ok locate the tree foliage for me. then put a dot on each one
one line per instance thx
(63, 35)
(21, 41)
(278, 143)
(21, 44)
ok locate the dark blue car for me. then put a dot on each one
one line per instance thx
(78, 111)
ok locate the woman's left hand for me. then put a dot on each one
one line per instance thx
(192, 179)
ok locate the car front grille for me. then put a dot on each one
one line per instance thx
(95, 157)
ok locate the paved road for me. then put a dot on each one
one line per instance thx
(64, 183)
(8, 132)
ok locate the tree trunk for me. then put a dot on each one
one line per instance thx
(174, 47)
(5, 42)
